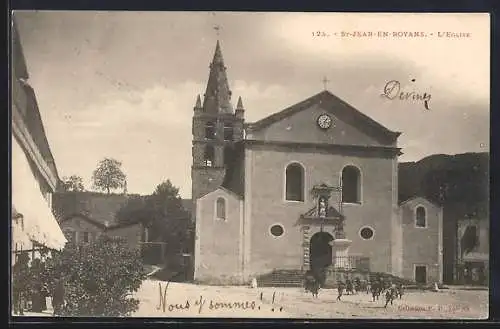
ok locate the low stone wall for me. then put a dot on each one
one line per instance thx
(223, 280)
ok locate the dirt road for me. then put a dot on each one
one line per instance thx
(187, 300)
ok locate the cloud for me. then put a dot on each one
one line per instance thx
(149, 131)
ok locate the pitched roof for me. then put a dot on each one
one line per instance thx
(418, 197)
(99, 224)
(100, 207)
(337, 107)
(84, 217)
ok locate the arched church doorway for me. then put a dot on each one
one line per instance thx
(320, 251)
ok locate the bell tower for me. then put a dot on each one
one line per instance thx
(216, 127)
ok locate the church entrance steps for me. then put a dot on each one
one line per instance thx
(295, 278)
(281, 278)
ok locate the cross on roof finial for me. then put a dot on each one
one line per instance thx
(217, 29)
(325, 82)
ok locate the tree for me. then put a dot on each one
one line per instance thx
(99, 278)
(163, 214)
(166, 200)
(73, 183)
(109, 175)
(160, 211)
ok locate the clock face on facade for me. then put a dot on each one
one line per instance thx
(324, 121)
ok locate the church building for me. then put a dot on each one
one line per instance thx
(313, 185)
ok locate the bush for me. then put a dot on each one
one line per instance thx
(99, 278)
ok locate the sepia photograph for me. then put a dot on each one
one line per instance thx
(250, 165)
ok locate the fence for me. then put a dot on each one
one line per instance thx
(357, 263)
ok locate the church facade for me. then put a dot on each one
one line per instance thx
(313, 185)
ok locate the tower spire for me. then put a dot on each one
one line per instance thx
(198, 102)
(217, 95)
(218, 55)
(239, 106)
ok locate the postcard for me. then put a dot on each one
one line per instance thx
(250, 165)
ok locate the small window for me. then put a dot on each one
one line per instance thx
(366, 233)
(420, 217)
(210, 130)
(277, 230)
(86, 237)
(228, 132)
(221, 208)
(421, 274)
(209, 156)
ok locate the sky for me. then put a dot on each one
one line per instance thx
(123, 84)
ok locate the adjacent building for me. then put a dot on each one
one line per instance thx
(469, 255)
(84, 216)
(459, 183)
(34, 174)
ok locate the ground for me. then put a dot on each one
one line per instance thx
(187, 300)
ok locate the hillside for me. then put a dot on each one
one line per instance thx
(447, 179)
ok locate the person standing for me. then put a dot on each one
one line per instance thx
(58, 297)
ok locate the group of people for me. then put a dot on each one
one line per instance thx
(31, 286)
(376, 287)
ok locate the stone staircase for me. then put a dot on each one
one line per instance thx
(295, 278)
(281, 278)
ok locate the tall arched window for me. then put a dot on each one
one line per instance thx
(221, 208)
(294, 182)
(210, 130)
(420, 217)
(209, 156)
(351, 185)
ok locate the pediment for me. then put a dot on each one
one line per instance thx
(299, 123)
